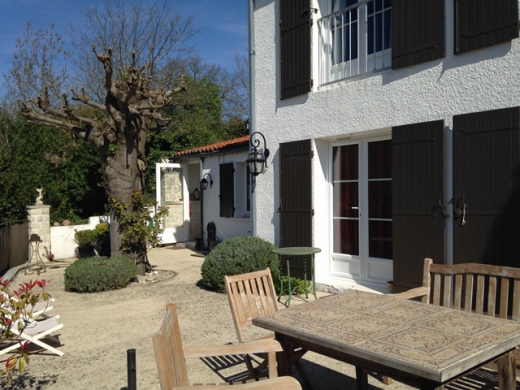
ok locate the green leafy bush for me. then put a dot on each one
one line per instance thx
(102, 228)
(299, 286)
(94, 274)
(239, 255)
(85, 237)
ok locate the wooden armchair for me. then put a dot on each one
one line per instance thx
(251, 295)
(170, 356)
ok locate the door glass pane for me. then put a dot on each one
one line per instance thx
(380, 239)
(345, 200)
(380, 160)
(346, 236)
(380, 199)
(171, 197)
(345, 162)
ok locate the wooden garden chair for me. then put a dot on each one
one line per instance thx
(170, 356)
(251, 295)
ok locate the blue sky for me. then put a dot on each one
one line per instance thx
(222, 25)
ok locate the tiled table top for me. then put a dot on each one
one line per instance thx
(429, 341)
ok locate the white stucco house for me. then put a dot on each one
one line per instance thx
(206, 187)
(393, 130)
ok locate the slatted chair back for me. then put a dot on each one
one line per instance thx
(169, 354)
(480, 288)
(250, 295)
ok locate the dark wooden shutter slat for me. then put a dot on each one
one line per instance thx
(418, 32)
(227, 190)
(486, 177)
(296, 201)
(295, 47)
(417, 188)
(483, 23)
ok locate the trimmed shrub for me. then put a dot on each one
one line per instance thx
(102, 228)
(94, 274)
(239, 255)
(85, 237)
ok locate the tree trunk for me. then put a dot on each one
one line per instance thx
(123, 178)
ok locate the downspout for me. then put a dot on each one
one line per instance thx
(201, 171)
(251, 9)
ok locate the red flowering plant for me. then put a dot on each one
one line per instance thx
(16, 312)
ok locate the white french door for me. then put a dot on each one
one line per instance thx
(172, 192)
(361, 199)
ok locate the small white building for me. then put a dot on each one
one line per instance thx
(215, 180)
(393, 127)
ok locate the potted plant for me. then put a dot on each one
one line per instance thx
(85, 240)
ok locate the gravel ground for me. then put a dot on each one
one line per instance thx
(99, 328)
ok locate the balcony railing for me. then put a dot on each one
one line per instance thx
(355, 40)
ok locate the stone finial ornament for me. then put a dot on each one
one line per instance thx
(39, 200)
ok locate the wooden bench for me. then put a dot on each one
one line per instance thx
(480, 288)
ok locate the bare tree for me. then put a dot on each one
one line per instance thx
(119, 137)
(38, 65)
(151, 29)
(121, 100)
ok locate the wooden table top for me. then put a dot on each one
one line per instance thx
(424, 340)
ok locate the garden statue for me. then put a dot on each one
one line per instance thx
(39, 200)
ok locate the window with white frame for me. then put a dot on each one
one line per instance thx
(355, 38)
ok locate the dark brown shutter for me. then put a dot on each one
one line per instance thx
(417, 200)
(481, 23)
(296, 201)
(227, 191)
(418, 31)
(486, 183)
(295, 47)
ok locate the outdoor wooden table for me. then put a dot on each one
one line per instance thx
(395, 337)
(287, 252)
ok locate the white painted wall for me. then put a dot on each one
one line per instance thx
(62, 237)
(225, 227)
(485, 79)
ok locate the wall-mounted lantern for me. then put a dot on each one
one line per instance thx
(204, 182)
(257, 160)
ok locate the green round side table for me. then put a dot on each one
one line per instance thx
(298, 251)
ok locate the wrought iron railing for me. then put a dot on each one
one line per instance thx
(355, 40)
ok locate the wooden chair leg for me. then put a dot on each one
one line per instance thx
(387, 380)
(249, 364)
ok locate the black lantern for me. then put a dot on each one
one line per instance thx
(204, 182)
(257, 160)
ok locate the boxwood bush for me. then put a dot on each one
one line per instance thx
(94, 274)
(239, 255)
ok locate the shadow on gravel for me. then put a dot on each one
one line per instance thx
(26, 381)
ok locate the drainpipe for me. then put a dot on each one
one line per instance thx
(201, 170)
(251, 8)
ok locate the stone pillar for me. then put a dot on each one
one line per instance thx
(40, 224)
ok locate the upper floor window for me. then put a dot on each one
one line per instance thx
(355, 38)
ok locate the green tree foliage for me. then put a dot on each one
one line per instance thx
(41, 157)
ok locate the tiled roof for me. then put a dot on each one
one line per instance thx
(216, 147)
